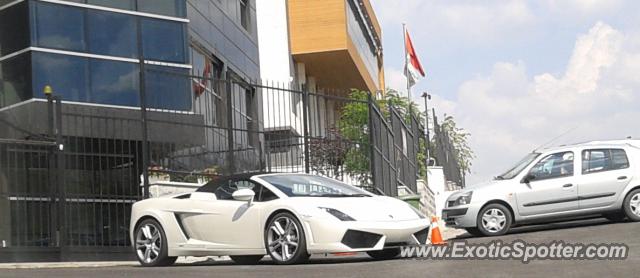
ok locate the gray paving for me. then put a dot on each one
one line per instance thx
(585, 231)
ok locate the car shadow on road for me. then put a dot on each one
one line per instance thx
(266, 261)
(592, 221)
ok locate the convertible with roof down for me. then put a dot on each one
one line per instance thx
(286, 216)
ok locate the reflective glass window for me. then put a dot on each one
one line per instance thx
(67, 75)
(168, 88)
(59, 26)
(118, 4)
(163, 40)
(115, 83)
(164, 7)
(112, 34)
(15, 80)
(16, 37)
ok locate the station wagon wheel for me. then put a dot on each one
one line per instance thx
(285, 240)
(151, 244)
(494, 220)
(632, 205)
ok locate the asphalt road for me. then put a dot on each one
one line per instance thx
(584, 231)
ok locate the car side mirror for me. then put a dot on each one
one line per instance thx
(528, 178)
(245, 195)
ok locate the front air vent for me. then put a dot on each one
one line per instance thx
(360, 239)
(422, 235)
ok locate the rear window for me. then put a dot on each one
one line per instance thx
(599, 160)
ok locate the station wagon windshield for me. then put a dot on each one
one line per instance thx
(515, 170)
(313, 186)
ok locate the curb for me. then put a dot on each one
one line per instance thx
(181, 260)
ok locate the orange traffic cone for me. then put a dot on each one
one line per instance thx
(436, 236)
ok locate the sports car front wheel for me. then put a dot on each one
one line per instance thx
(285, 240)
(151, 244)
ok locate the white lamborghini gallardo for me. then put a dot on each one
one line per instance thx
(286, 216)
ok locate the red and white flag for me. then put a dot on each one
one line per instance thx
(413, 70)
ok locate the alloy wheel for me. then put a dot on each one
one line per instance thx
(148, 243)
(634, 204)
(283, 238)
(494, 220)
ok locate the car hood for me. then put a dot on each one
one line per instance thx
(476, 188)
(377, 208)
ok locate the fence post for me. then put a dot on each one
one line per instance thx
(60, 167)
(372, 162)
(305, 127)
(145, 136)
(231, 163)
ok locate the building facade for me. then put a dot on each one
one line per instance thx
(325, 48)
(188, 62)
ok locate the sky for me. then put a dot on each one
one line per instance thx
(516, 74)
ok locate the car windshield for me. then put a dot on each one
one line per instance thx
(313, 186)
(515, 170)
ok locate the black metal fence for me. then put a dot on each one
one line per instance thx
(446, 156)
(69, 173)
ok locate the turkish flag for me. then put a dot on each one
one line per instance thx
(413, 70)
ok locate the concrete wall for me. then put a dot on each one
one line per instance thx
(437, 185)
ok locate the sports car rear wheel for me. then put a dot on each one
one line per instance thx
(151, 244)
(285, 240)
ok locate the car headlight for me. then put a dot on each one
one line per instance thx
(418, 212)
(463, 199)
(338, 214)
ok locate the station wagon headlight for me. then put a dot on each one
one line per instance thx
(463, 199)
(338, 214)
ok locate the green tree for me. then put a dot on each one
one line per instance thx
(459, 139)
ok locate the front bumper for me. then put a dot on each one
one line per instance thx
(332, 236)
(460, 216)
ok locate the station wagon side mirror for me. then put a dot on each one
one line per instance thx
(245, 195)
(528, 178)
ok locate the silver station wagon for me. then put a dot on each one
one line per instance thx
(600, 177)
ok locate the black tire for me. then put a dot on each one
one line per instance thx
(628, 210)
(474, 231)
(615, 216)
(162, 258)
(384, 254)
(247, 260)
(503, 211)
(300, 254)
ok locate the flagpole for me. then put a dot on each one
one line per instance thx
(406, 66)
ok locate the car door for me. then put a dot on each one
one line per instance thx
(549, 186)
(225, 223)
(605, 173)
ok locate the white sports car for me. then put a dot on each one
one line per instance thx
(287, 216)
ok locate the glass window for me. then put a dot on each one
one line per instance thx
(15, 80)
(164, 7)
(599, 160)
(267, 195)
(553, 166)
(313, 186)
(114, 83)
(66, 74)
(17, 36)
(59, 26)
(163, 40)
(118, 4)
(112, 34)
(206, 88)
(168, 88)
(244, 14)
